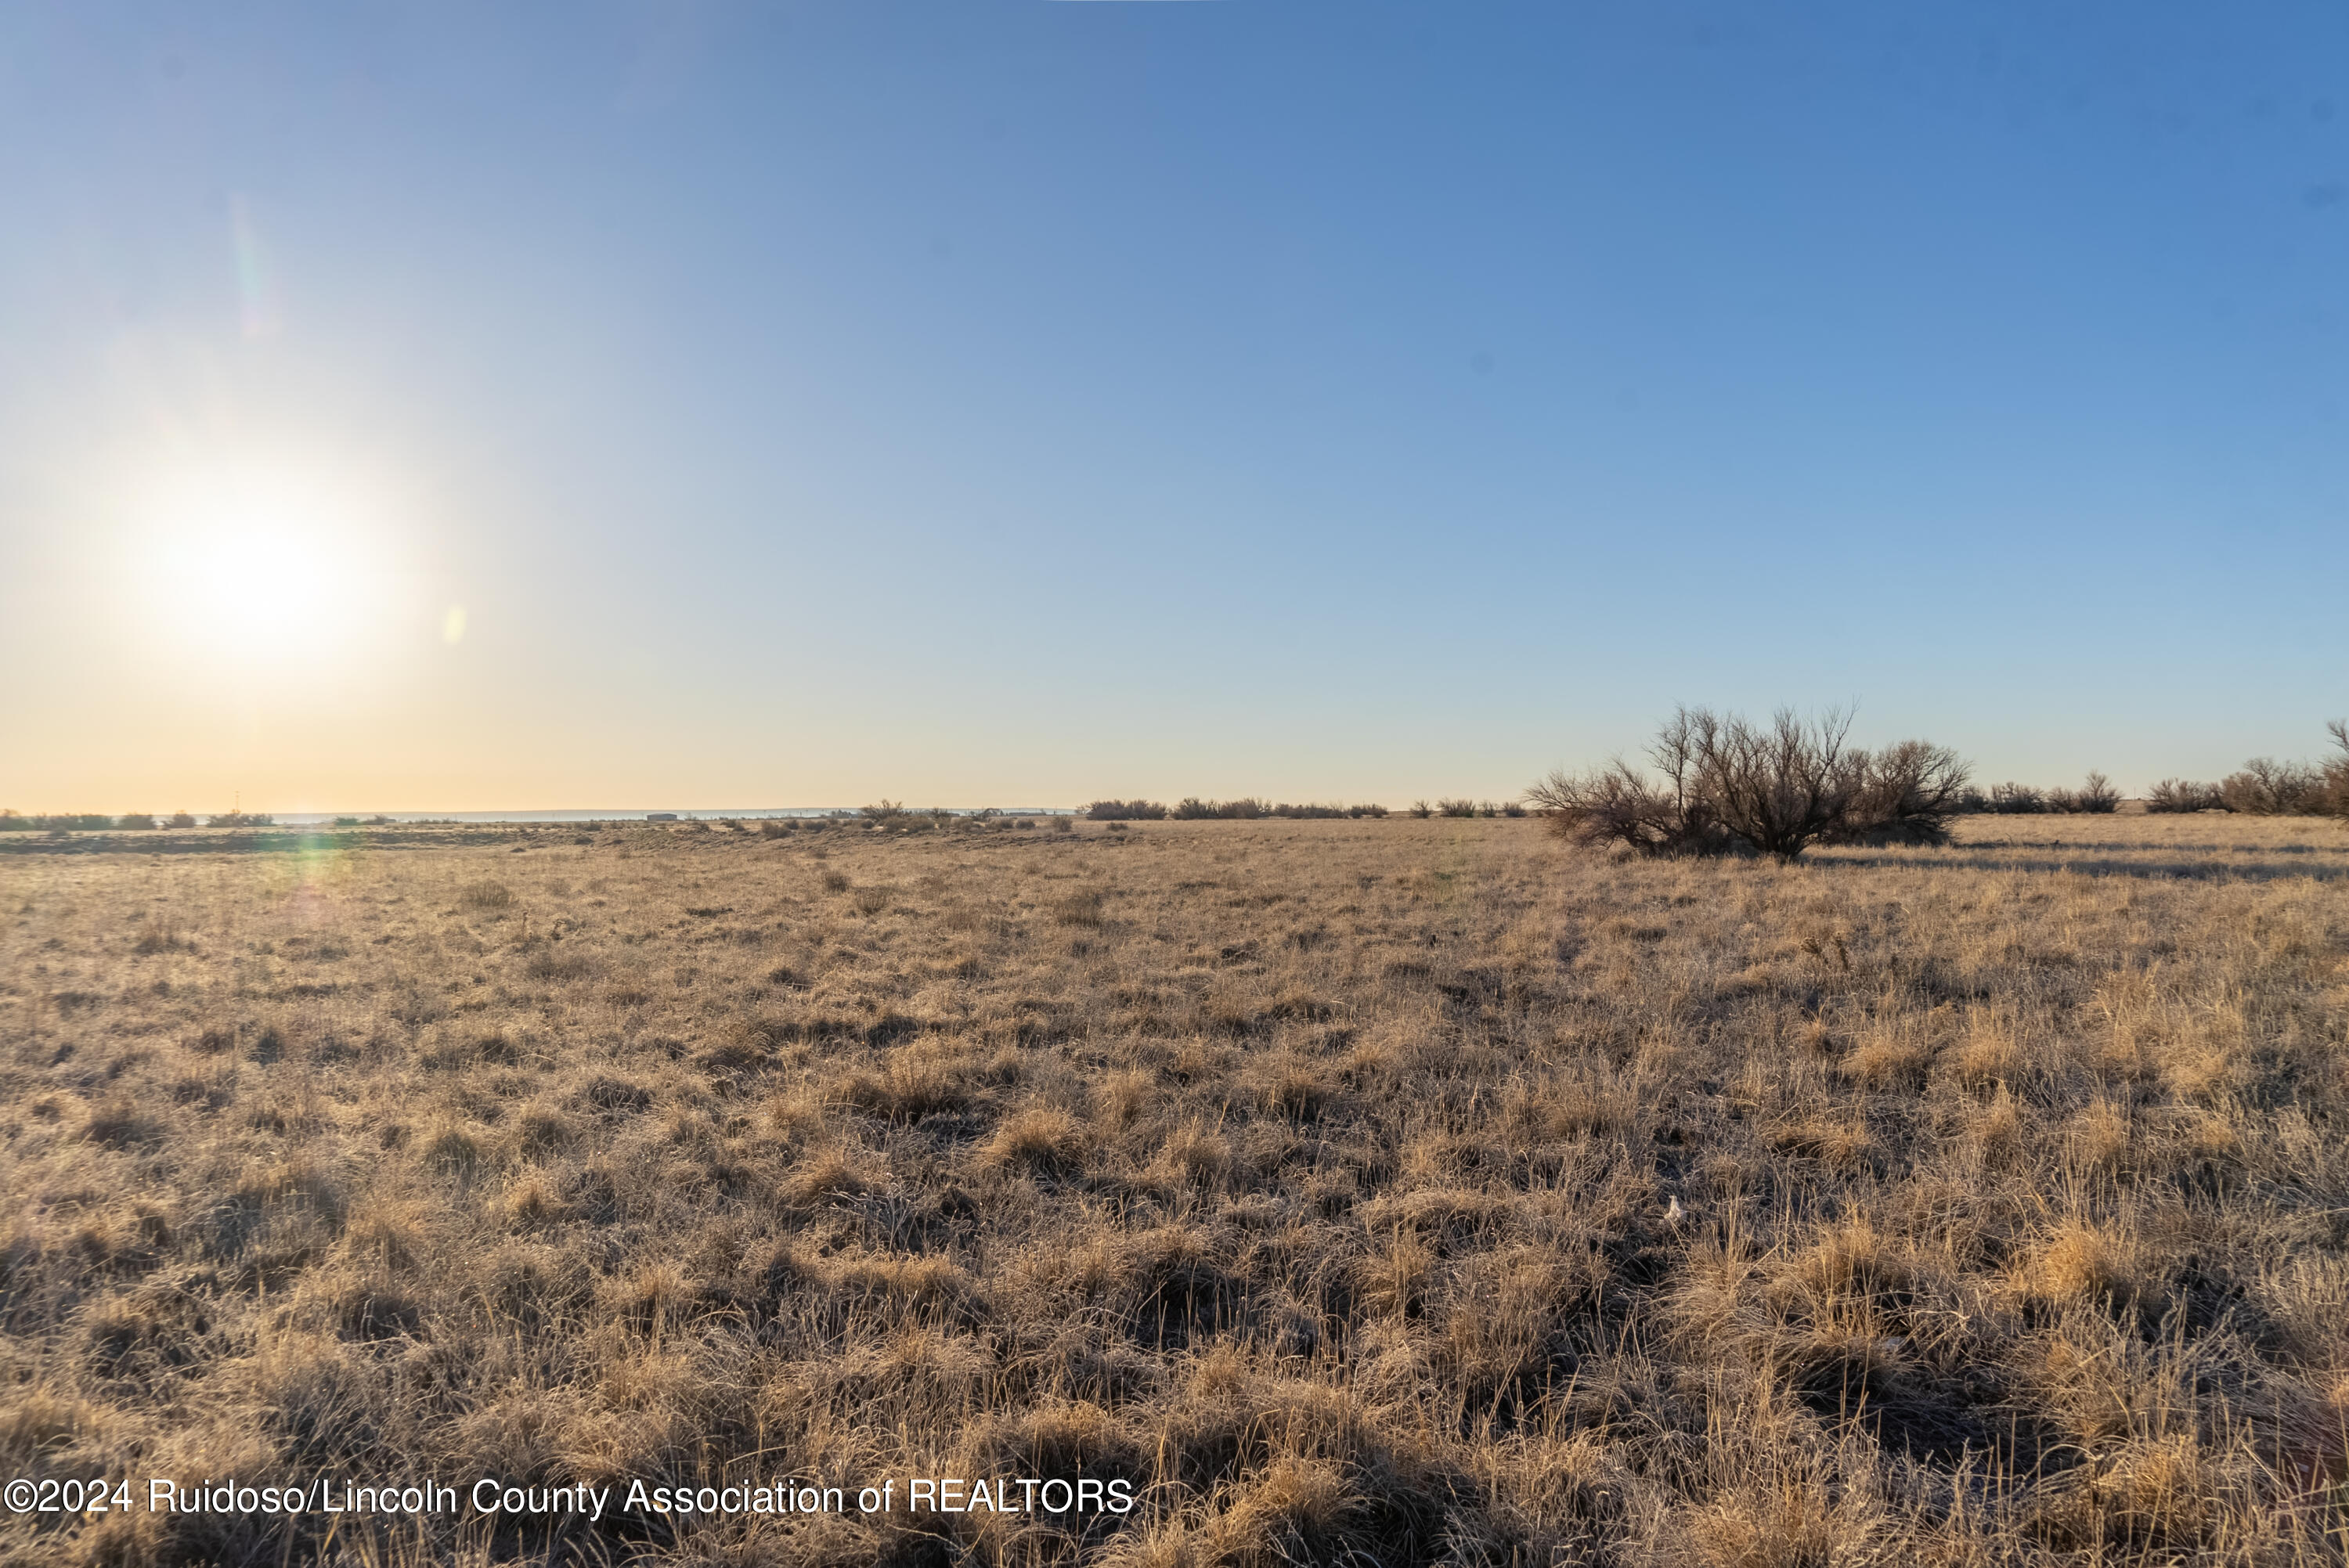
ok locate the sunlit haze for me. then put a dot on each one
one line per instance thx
(448, 407)
(260, 567)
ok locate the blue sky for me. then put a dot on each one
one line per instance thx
(1031, 401)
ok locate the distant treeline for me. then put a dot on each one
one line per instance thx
(1706, 755)
(2263, 787)
(1249, 808)
(1451, 807)
(1191, 808)
(2094, 797)
(88, 821)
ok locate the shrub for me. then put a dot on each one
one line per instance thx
(1245, 809)
(1721, 784)
(157, 935)
(1082, 907)
(2267, 787)
(2264, 787)
(1622, 804)
(1125, 812)
(1366, 811)
(242, 819)
(1905, 794)
(2334, 801)
(1448, 808)
(1421, 809)
(139, 820)
(179, 820)
(1619, 804)
(1779, 789)
(2012, 799)
(2184, 795)
(1042, 1137)
(2096, 797)
(14, 823)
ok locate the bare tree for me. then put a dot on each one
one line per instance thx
(1720, 784)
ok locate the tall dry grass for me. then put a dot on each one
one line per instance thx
(1396, 1192)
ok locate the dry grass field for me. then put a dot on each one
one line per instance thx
(1382, 1192)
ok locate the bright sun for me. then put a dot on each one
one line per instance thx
(264, 562)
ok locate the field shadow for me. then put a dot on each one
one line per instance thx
(2155, 870)
(2124, 846)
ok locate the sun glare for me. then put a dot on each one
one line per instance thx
(265, 562)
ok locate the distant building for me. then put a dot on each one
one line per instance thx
(660, 816)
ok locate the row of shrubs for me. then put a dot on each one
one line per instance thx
(1247, 808)
(2095, 797)
(1449, 807)
(1191, 808)
(90, 821)
(2264, 787)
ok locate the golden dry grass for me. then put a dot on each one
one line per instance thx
(1388, 1191)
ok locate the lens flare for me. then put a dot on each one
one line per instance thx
(256, 285)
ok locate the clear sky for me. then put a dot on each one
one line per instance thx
(472, 407)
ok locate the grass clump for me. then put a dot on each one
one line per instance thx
(486, 895)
